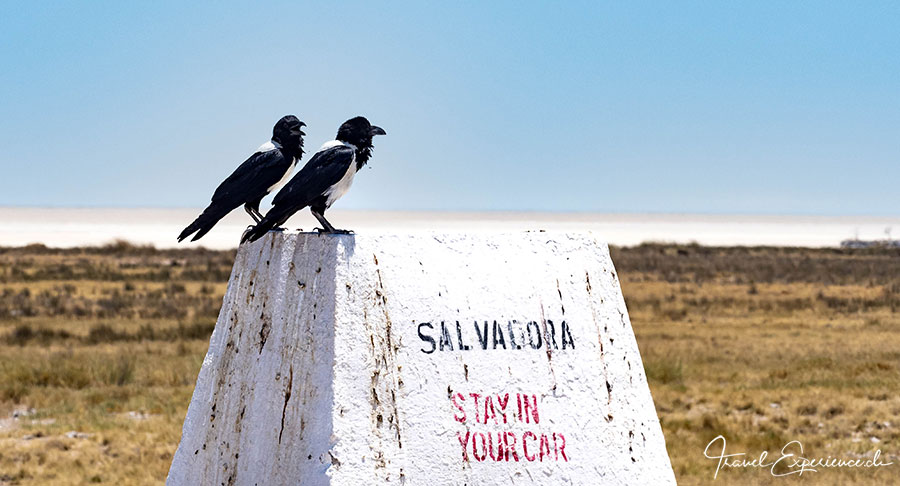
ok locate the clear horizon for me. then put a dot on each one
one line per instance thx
(67, 227)
(711, 213)
(694, 108)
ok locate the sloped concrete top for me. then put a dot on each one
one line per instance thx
(425, 359)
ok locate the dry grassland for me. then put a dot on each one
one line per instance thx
(769, 345)
(100, 348)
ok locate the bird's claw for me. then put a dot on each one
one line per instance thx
(333, 232)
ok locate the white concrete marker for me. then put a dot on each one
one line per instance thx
(422, 360)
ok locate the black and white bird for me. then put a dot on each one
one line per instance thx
(325, 178)
(265, 171)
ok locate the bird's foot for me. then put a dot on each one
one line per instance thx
(333, 231)
(279, 229)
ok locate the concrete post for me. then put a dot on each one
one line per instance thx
(425, 359)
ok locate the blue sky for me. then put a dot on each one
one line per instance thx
(714, 107)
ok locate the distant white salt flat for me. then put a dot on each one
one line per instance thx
(62, 227)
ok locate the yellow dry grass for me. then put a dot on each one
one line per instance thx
(763, 363)
(100, 348)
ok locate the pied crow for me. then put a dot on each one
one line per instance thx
(265, 171)
(325, 178)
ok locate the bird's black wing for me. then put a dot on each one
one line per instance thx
(249, 182)
(324, 170)
(252, 179)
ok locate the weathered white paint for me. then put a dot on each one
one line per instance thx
(316, 373)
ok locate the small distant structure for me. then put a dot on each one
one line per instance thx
(857, 243)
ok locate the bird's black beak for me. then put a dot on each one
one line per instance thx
(378, 131)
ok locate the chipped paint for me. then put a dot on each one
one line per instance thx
(523, 377)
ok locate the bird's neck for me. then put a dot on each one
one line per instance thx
(362, 156)
(363, 152)
(289, 150)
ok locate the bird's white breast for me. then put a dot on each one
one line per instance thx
(285, 177)
(272, 145)
(342, 186)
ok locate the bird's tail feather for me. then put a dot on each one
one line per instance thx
(257, 231)
(205, 222)
(272, 219)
